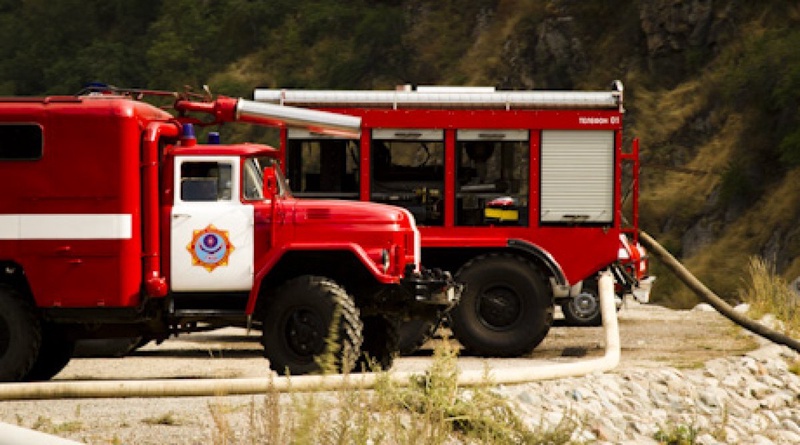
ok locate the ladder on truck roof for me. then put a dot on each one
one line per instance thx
(446, 97)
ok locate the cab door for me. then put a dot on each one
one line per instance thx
(211, 242)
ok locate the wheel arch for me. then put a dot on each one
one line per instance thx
(453, 259)
(12, 275)
(542, 259)
(342, 266)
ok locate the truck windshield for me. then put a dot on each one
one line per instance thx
(253, 178)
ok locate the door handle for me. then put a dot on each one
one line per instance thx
(181, 215)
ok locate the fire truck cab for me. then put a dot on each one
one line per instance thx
(116, 222)
(521, 192)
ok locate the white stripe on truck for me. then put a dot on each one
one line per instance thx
(65, 226)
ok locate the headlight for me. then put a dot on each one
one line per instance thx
(386, 260)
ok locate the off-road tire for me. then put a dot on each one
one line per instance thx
(297, 325)
(20, 336)
(585, 311)
(413, 334)
(54, 354)
(380, 345)
(506, 308)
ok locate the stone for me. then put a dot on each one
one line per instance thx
(751, 399)
(706, 439)
(759, 439)
(790, 425)
(784, 436)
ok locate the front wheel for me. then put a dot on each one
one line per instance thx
(20, 336)
(380, 345)
(298, 326)
(506, 308)
(414, 334)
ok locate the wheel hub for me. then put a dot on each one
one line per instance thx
(499, 307)
(305, 333)
(585, 305)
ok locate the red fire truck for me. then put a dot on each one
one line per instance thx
(115, 222)
(519, 191)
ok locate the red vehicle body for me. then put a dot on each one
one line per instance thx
(115, 222)
(520, 191)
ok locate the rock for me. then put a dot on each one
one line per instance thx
(783, 436)
(674, 27)
(706, 439)
(704, 307)
(758, 439)
(790, 425)
(751, 399)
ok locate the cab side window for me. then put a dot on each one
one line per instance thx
(206, 181)
(408, 171)
(20, 142)
(323, 167)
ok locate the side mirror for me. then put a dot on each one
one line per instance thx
(270, 183)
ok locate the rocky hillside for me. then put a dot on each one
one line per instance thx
(712, 85)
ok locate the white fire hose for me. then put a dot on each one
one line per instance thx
(219, 387)
(14, 435)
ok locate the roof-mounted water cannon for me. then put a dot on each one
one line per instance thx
(226, 109)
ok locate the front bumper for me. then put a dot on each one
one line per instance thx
(640, 289)
(432, 287)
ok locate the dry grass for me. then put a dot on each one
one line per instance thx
(768, 293)
(722, 263)
(169, 419)
(430, 410)
(661, 113)
(49, 426)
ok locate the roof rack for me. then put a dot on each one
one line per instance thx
(446, 97)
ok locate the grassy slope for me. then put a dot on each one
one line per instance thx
(727, 184)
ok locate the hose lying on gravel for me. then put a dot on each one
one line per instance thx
(657, 250)
(15, 435)
(215, 387)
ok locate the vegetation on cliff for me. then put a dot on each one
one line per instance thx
(713, 88)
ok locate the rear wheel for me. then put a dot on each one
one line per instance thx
(584, 309)
(506, 308)
(20, 336)
(54, 354)
(297, 326)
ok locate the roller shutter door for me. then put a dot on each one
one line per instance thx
(577, 177)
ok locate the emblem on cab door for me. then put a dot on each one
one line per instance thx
(210, 248)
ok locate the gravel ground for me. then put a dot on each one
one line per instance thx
(651, 337)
